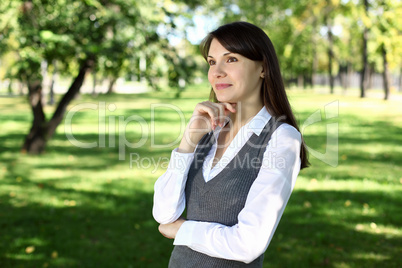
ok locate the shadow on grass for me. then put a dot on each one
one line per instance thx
(112, 226)
(166, 114)
(75, 228)
(102, 230)
(107, 230)
(369, 144)
(326, 233)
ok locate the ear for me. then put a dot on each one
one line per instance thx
(262, 74)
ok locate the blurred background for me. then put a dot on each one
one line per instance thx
(77, 174)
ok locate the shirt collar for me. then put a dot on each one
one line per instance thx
(255, 125)
(259, 121)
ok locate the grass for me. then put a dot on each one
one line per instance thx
(85, 207)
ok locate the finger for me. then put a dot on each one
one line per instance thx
(213, 111)
(222, 114)
(230, 106)
(201, 109)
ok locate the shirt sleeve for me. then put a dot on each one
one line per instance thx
(264, 206)
(169, 198)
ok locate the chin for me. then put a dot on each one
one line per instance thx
(225, 99)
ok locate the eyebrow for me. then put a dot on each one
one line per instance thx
(227, 53)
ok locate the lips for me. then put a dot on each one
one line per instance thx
(222, 86)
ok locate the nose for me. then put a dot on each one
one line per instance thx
(218, 71)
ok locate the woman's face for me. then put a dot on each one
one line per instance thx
(234, 78)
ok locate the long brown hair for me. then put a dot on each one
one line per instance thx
(251, 42)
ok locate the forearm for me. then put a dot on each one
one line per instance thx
(244, 241)
(188, 143)
(169, 199)
(170, 230)
(168, 202)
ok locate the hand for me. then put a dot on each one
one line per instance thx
(206, 117)
(170, 230)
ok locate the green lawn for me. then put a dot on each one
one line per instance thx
(85, 207)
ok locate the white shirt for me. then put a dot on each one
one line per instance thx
(265, 203)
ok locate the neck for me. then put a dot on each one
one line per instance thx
(244, 113)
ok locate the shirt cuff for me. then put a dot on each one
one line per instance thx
(180, 162)
(185, 234)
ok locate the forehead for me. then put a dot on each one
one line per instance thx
(216, 49)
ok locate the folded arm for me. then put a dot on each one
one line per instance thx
(264, 206)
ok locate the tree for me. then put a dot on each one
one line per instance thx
(348, 42)
(79, 36)
(364, 72)
(330, 52)
(295, 29)
(387, 31)
(8, 22)
(317, 36)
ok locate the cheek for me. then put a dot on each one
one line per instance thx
(253, 77)
(210, 77)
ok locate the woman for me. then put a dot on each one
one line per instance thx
(238, 161)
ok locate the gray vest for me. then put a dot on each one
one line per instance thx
(221, 199)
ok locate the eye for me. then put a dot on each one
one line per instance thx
(211, 62)
(232, 59)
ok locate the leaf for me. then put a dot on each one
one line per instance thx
(30, 249)
(46, 35)
(55, 255)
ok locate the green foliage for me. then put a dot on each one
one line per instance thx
(116, 34)
(298, 30)
(124, 33)
(77, 207)
(386, 30)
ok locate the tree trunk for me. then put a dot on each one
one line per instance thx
(307, 80)
(314, 70)
(385, 74)
(349, 70)
(51, 90)
(35, 140)
(10, 88)
(300, 81)
(111, 85)
(94, 82)
(315, 58)
(400, 80)
(69, 96)
(363, 80)
(41, 131)
(370, 77)
(349, 75)
(21, 88)
(330, 55)
(343, 72)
